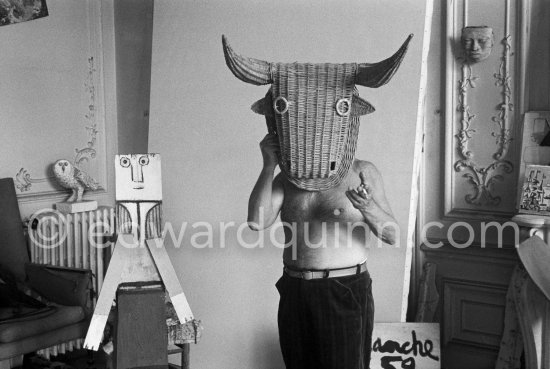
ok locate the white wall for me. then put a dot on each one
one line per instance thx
(208, 138)
(51, 93)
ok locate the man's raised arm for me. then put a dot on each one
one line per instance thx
(267, 196)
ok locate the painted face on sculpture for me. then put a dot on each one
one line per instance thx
(315, 109)
(477, 42)
(138, 177)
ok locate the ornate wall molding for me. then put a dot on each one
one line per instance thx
(483, 178)
(24, 181)
(89, 152)
(480, 160)
(93, 151)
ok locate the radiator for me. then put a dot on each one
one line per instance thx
(70, 240)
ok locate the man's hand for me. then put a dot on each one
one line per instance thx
(270, 147)
(267, 196)
(361, 197)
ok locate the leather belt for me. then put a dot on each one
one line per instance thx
(326, 273)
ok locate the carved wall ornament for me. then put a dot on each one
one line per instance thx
(483, 178)
(24, 181)
(503, 80)
(89, 152)
(477, 43)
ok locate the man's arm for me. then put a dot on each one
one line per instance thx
(267, 196)
(370, 199)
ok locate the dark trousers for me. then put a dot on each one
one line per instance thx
(326, 323)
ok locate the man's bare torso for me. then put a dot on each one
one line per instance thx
(323, 229)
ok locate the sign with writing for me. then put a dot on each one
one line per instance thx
(405, 346)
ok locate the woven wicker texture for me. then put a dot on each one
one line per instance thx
(314, 109)
(317, 143)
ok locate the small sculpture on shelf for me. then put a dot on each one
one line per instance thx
(69, 176)
(477, 42)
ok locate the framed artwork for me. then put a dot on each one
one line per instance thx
(535, 192)
(17, 11)
(536, 127)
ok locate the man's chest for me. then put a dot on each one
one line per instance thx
(331, 205)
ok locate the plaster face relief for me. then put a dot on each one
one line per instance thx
(477, 42)
(138, 177)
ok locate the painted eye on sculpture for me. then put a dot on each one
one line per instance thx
(343, 107)
(144, 160)
(124, 162)
(280, 105)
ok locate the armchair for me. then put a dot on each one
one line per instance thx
(67, 291)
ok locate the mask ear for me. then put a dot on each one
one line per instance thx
(264, 106)
(360, 106)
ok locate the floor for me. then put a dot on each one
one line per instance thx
(78, 359)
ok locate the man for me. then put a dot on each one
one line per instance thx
(324, 322)
(335, 206)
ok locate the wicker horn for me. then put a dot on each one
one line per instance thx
(378, 74)
(360, 106)
(257, 72)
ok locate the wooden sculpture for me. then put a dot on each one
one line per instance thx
(139, 254)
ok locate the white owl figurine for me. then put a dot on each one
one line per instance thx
(69, 176)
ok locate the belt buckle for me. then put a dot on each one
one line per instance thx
(307, 275)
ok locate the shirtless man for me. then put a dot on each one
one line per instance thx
(326, 307)
(335, 205)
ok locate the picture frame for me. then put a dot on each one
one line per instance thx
(535, 191)
(16, 11)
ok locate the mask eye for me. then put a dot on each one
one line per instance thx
(144, 160)
(280, 105)
(343, 107)
(124, 162)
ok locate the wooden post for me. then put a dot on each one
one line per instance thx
(141, 336)
(170, 279)
(183, 349)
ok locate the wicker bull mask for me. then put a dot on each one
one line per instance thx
(314, 109)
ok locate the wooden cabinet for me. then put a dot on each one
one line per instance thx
(472, 284)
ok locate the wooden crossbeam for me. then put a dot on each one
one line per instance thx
(134, 263)
(170, 279)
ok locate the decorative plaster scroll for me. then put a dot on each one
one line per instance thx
(24, 181)
(483, 178)
(88, 152)
(503, 79)
(466, 132)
